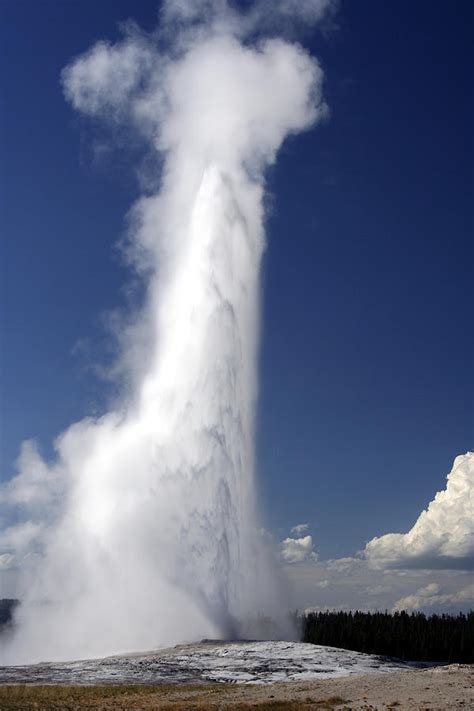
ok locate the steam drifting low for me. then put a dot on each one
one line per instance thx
(144, 532)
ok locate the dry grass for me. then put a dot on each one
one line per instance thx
(70, 698)
(143, 698)
(437, 689)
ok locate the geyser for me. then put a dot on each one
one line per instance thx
(144, 531)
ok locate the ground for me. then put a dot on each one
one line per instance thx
(436, 689)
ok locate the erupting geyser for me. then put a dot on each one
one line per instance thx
(144, 530)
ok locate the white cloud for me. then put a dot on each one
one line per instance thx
(443, 535)
(426, 569)
(351, 584)
(297, 550)
(431, 596)
(378, 589)
(341, 565)
(299, 529)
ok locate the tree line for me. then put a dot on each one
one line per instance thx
(411, 637)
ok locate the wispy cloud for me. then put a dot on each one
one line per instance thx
(299, 529)
(351, 584)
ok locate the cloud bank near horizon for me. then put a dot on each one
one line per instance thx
(432, 596)
(429, 568)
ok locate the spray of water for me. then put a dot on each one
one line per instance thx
(143, 532)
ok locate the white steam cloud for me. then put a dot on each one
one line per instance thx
(443, 535)
(143, 531)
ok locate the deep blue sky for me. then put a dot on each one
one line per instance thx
(366, 366)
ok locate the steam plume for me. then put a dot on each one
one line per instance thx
(143, 532)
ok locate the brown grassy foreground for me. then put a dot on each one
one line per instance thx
(440, 689)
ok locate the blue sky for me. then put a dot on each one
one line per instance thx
(366, 362)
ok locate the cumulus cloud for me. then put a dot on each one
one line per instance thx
(297, 550)
(443, 535)
(426, 569)
(431, 596)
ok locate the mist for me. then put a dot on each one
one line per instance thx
(145, 529)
